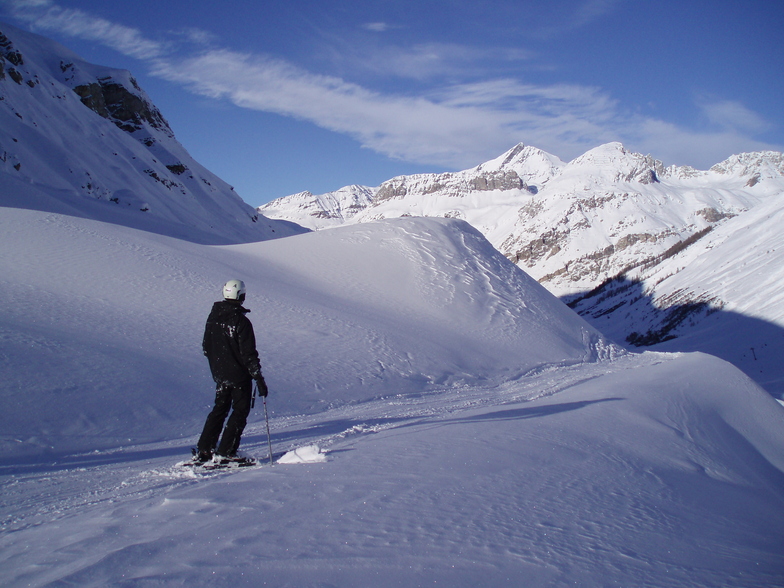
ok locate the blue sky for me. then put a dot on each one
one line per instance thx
(281, 97)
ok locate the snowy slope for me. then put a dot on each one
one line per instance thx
(85, 140)
(106, 322)
(471, 429)
(721, 295)
(651, 470)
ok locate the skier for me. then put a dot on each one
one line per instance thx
(230, 347)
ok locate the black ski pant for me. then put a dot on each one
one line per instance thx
(227, 397)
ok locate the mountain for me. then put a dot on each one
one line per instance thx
(618, 236)
(465, 427)
(86, 140)
(571, 226)
(719, 294)
(521, 169)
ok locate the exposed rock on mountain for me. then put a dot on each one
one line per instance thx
(450, 184)
(114, 101)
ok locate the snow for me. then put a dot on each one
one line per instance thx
(731, 278)
(748, 249)
(644, 253)
(449, 421)
(436, 415)
(369, 311)
(308, 454)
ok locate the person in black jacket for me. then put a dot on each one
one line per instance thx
(230, 346)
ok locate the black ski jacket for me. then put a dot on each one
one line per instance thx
(230, 345)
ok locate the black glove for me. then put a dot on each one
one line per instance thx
(262, 386)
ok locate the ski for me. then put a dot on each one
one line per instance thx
(221, 464)
(240, 462)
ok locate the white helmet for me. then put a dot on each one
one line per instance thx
(234, 290)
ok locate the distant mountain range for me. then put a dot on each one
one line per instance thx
(570, 225)
(652, 255)
(86, 140)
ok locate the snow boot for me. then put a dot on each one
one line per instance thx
(201, 456)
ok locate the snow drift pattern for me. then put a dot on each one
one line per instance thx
(107, 322)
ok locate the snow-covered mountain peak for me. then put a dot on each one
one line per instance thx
(534, 166)
(328, 210)
(16, 46)
(111, 93)
(757, 165)
(612, 162)
(514, 155)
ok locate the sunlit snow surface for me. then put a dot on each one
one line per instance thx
(474, 431)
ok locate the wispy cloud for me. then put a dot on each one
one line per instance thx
(46, 15)
(732, 115)
(196, 36)
(411, 128)
(454, 125)
(585, 13)
(432, 61)
(681, 146)
(376, 27)
(591, 10)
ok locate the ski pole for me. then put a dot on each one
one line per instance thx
(253, 398)
(266, 418)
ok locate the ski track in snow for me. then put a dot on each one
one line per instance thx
(549, 519)
(52, 490)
